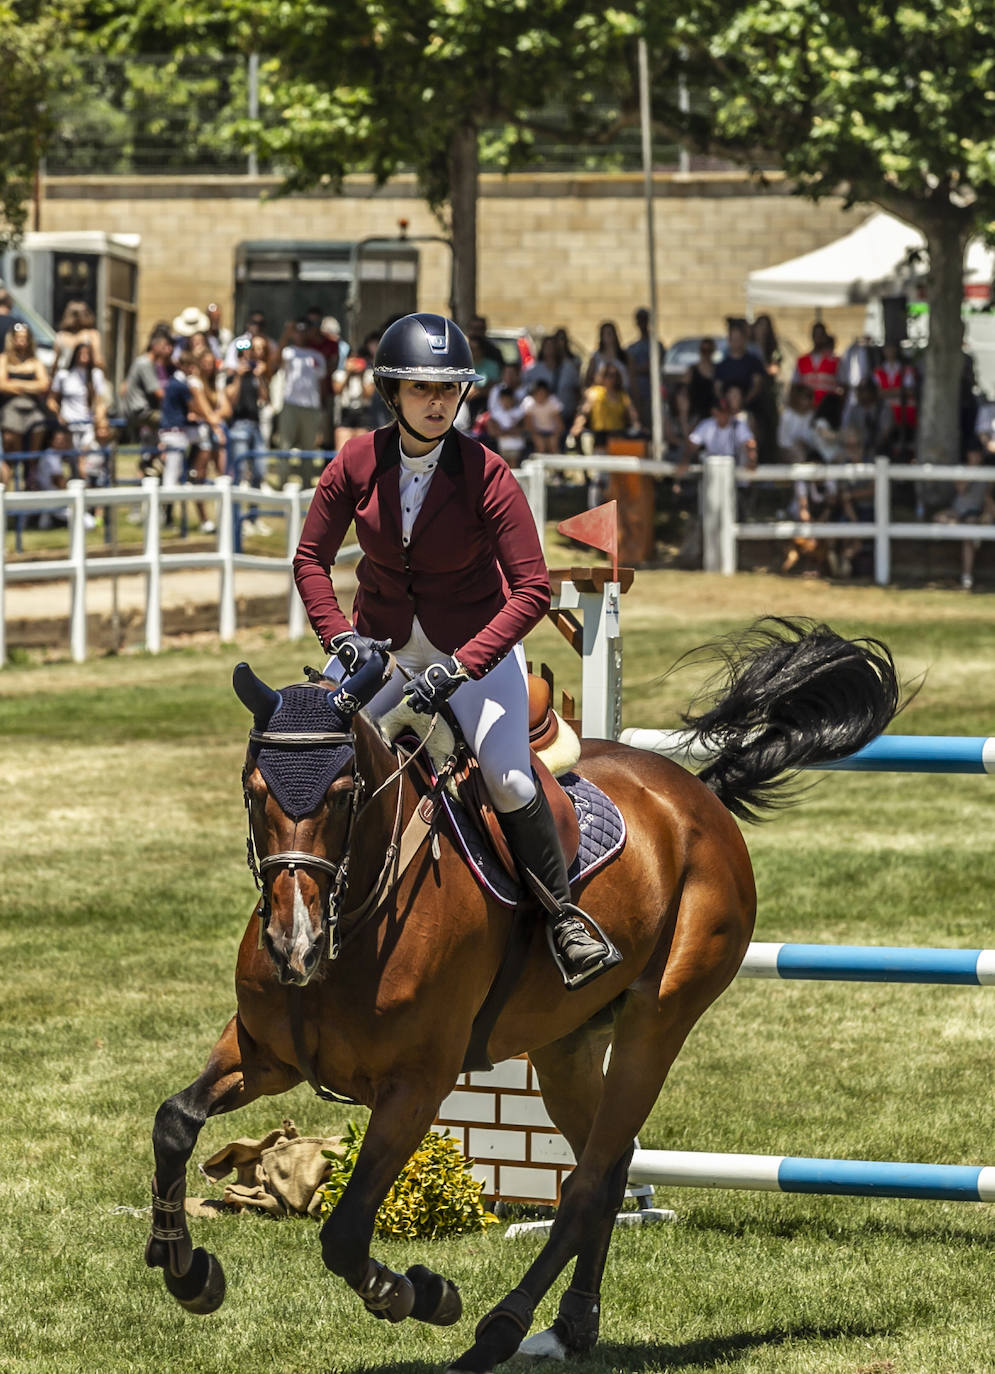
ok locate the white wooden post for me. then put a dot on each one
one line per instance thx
(882, 521)
(226, 548)
(532, 478)
(76, 490)
(727, 539)
(3, 578)
(718, 478)
(601, 675)
(297, 625)
(153, 575)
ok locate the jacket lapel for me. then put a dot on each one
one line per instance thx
(442, 488)
(388, 478)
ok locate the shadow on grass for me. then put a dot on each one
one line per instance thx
(856, 1229)
(717, 1351)
(713, 1352)
(405, 1367)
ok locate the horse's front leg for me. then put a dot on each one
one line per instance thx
(397, 1124)
(235, 1074)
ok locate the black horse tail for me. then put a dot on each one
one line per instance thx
(790, 694)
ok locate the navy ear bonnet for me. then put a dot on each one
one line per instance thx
(299, 775)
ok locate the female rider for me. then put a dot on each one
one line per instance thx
(453, 573)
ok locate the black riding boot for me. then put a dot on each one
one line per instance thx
(531, 835)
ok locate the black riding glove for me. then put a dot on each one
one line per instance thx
(354, 650)
(435, 685)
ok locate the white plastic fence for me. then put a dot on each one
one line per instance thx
(83, 564)
(722, 530)
(601, 650)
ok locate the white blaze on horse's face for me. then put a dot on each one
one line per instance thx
(294, 933)
(299, 924)
(302, 935)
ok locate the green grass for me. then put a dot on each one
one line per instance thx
(124, 893)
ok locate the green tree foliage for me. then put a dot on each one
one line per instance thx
(883, 101)
(389, 86)
(27, 36)
(887, 101)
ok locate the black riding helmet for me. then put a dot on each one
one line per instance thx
(422, 348)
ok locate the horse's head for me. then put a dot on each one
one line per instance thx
(302, 790)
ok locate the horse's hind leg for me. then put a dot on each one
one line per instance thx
(591, 1197)
(235, 1074)
(571, 1075)
(650, 1030)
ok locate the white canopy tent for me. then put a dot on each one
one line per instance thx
(881, 257)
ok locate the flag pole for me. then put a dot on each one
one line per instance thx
(656, 406)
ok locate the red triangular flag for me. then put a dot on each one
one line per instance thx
(597, 527)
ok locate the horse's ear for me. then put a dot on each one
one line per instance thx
(353, 694)
(253, 693)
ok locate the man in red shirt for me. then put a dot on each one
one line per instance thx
(818, 370)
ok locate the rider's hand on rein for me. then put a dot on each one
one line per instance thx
(435, 685)
(354, 651)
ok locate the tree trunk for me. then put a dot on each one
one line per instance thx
(939, 414)
(464, 169)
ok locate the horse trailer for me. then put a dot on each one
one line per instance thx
(46, 271)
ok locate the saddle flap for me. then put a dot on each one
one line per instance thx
(473, 793)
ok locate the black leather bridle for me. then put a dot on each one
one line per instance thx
(292, 859)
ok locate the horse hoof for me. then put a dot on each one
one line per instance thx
(544, 1345)
(437, 1301)
(202, 1288)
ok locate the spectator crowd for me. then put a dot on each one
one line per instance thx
(199, 401)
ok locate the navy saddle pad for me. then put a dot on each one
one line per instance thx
(602, 835)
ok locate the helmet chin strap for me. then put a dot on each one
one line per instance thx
(426, 438)
(422, 438)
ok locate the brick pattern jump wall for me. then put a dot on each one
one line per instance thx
(500, 1122)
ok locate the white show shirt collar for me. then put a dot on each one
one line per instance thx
(422, 463)
(416, 477)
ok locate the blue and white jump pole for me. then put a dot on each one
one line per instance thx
(869, 964)
(886, 754)
(841, 1177)
(840, 963)
(792, 1174)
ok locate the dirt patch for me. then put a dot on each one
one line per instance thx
(110, 633)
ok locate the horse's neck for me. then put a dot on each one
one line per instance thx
(373, 755)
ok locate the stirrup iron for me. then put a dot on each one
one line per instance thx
(579, 978)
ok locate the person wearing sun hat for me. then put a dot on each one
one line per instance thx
(191, 321)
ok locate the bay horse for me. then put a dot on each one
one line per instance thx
(351, 978)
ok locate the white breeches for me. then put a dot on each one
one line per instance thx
(493, 713)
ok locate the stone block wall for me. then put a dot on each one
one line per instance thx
(553, 249)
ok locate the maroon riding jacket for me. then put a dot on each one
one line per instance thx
(473, 572)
